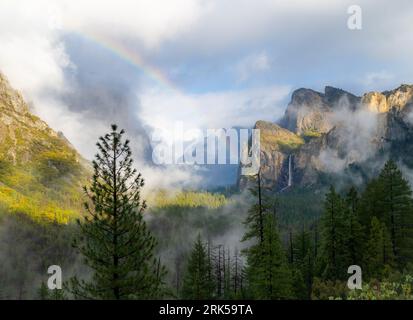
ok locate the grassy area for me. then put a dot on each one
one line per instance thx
(275, 137)
(189, 199)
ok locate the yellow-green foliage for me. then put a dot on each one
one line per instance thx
(47, 187)
(189, 199)
(37, 209)
(310, 133)
(56, 164)
(40, 173)
(286, 141)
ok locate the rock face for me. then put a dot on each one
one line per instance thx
(22, 134)
(309, 112)
(328, 134)
(400, 98)
(34, 161)
(277, 144)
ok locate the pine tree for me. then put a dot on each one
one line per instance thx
(396, 204)
(334, 249)
(218, 266)
(355, 234)
(369, 205)
(268, 274)
(379, 253)
(255, 218)
(304, 264)
(227, 274)
(115, 241)
(237, 276)
(197, 284)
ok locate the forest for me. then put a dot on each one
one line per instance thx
(250, 244)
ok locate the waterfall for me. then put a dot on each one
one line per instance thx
(290, 171)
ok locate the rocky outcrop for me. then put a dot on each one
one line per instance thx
(11, 99)
(400, 98)
(23, 136)
(309, 112)
(327, 134)
(375, 102)
(276, 144)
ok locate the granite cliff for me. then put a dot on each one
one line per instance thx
(336, 136)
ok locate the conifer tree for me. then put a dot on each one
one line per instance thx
(115, 242)
(268, 274)
(369, 205)
(255, 218)
(396, 204)
(334, 249)
(237, 275)
(355, 235)
(304, 263)
(273, 279)
(197, 284)
(379, 253)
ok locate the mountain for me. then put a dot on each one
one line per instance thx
(41, 174)
(336, 136)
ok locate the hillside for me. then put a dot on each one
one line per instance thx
(41, 174)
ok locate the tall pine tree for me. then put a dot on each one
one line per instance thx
(115, 241)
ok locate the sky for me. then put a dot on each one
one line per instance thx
(147, 64)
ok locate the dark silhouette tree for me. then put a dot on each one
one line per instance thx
(197, 283)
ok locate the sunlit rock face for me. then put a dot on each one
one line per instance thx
(399, 98)
(336, 134)
(375, 102)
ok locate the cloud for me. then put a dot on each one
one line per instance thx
(162, 109)
(355, 139)
(32, 55)
(147, 21)
(377, 79)
(253, 64)
(297, 42)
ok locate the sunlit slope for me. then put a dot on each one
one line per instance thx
(41, 174)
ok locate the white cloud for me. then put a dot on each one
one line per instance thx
(149, 22)
(31, 55)
(373, 80)
(162, 109)
(252, 64)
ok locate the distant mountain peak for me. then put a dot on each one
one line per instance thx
(336, 132)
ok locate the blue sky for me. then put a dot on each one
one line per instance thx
(231, 62)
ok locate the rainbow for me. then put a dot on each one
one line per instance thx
(133, 58)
